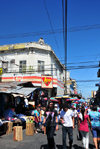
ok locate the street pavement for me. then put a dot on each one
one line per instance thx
(39, 141)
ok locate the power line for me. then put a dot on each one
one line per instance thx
(45, 6)
(63, 17)
(68, 67)
(95, 55)
(84, 81)
(82, 62)
(65, 42)
(83, 67)
(73, 68)
(85, 27)
(48, 32)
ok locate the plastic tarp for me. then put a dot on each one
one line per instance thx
(23, 91)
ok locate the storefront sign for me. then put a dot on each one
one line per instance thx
(47, 81)
(18, 78)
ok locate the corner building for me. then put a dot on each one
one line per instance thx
(35, 62)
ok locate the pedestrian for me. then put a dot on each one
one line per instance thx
(75, 115)
(37, 119)
(83, 119)
(42, 111)
(51, 124)
(67, 120)
(26, 102)
(98, 108)
(95, 126)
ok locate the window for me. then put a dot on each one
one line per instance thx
(59, 74)
(5, 66)
(12, 61)
(40, 66)
(51, 69)
(22, 66)
(55, 71)
(12, 65)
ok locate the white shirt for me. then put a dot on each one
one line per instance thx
(1, 123)
(75, 113)
(26, 101)
(67, 117)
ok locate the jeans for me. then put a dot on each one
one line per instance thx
(85, 139)
(50, 136)
(65, 131)
(75, 120)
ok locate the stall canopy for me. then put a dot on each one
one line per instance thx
(66, 96)
(59, 96)
(72, 99)
(23, 91)
(62, 96)
(53, 99)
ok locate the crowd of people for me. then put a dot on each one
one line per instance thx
(85, 118)
(47, 118)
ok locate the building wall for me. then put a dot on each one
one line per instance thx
(32, 52)
(32, 56)
(36, 79)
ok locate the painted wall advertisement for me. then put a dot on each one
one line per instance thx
(47, 81)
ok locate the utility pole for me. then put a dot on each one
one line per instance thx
(98, 73)
(65, 92)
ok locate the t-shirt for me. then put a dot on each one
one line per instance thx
(50, 117)
(95, 118)
(26, 101)
(84, 124)
(67, 117)
(37, 116)
(1, 123)
(75, 113)
(36, 113)
(42, 114)
(9, 113)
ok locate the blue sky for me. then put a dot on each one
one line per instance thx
(27, 16)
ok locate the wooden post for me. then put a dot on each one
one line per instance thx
(9, 128)
(17, 133)
(30, 129)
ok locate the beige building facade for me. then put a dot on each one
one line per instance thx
(35, 62)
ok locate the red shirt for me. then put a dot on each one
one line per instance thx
(84, 124)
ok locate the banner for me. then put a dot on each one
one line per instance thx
(46, 82)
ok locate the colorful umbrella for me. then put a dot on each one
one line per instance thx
(76, 102)
(72, 99)
(66, 96)
(45, 98)
(59, 96)
(81, 100)
(53, 99)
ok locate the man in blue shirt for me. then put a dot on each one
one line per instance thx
(9, 114)
(95, 125)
